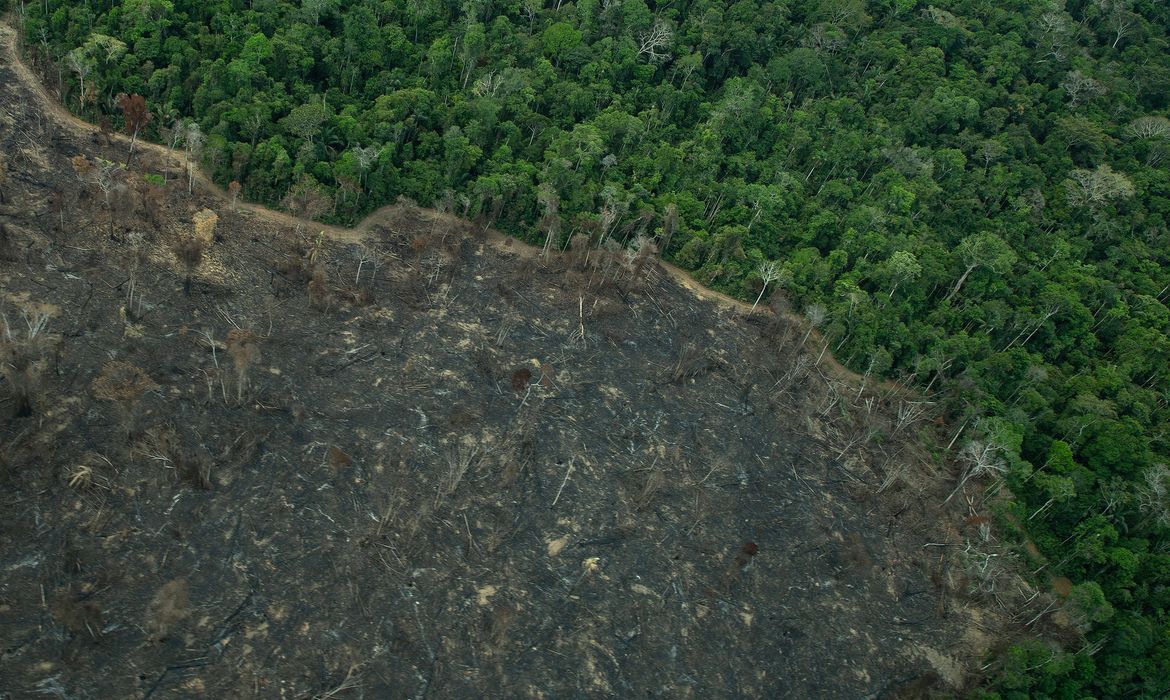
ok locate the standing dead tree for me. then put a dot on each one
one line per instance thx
(244, 347)
(655, 42)
(981, 457)
(109, 179)
(234, 192)
(193, 139)
(124, 385)
(137, 257)
(769, 272)
(550, 223)
(189, 251)
(81, 65)
(305, 200)
(815, 314)
(135, 117)
(24, 355)
(639, 254)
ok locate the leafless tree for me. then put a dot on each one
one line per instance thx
(639, 254)
(234, 192)
(1093, 189)
(1081, 88)
(488, 85)
(815, 315)
(1155, 130)
(366, 157)
(106, 176)
(81, 65)
(550, 223)
(612, 211)
(137, 256)
(769, 271)
(798, 370)
(653, 44)
(366, 255)
(909, 413)
(174, 133)
(1118, 17)
(1153, 494)
(189, 251)
(980, 457)
(1056, 30)
(1152, 127)
(121, 203)
(124, 385)
(305, 201)
(244, 348)
(24, 354)
(193, 139)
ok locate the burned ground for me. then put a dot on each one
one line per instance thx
(414, 462)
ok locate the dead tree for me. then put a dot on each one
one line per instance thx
(152, 197)
(244, 347)
(981, 457)
(643, 250)
(124, 385)
(121, 203)
(305, 200)
(815, 314)
(769, 272)
(550, 223)
(193, 139)
(135, 117)
(654, 43)
(24, 355)
(189, 251)
(234, 192)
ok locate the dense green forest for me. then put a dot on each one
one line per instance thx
(971, 195)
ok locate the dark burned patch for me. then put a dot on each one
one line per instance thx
(391, 496)
(520, 379)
